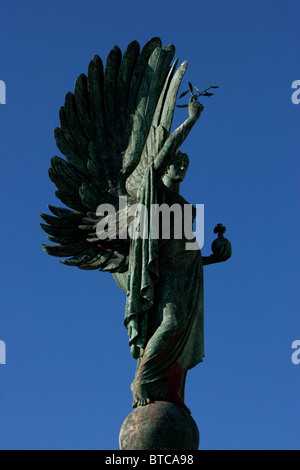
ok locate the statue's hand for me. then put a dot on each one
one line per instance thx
(195, 108)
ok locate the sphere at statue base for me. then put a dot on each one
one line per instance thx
(159, 426)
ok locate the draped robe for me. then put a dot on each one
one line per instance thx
(164, 310)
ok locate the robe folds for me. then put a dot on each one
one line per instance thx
(164, 309)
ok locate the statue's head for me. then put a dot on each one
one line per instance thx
(177, 169)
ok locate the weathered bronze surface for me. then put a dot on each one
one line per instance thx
(116, 138)
(159, 426)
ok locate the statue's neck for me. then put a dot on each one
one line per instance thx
(171, 184)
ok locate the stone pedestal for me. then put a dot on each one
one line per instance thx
(159, 426)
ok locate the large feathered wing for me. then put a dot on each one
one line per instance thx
(111, 129)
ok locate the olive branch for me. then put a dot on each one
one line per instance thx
(196, 95)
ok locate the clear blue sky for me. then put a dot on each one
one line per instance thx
(68, 372)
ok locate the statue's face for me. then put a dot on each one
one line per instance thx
(177, 170)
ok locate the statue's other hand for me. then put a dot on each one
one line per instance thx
(195, 108)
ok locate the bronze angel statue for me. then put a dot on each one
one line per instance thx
(115, 135)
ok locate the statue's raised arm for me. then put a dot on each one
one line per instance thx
(175, 140)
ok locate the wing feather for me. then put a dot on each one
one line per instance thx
(65, 125)
(98, 262)
(123, 87)
(139, 72)
(90, 195)
(65, 171)
(60, 222)
(62, 251)
(66, 149)
(110, 87)
(171, 97)
(86, 255)
(96, 100)
(70, 200)
(83, 106)
(71, 117)
(59, 231)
